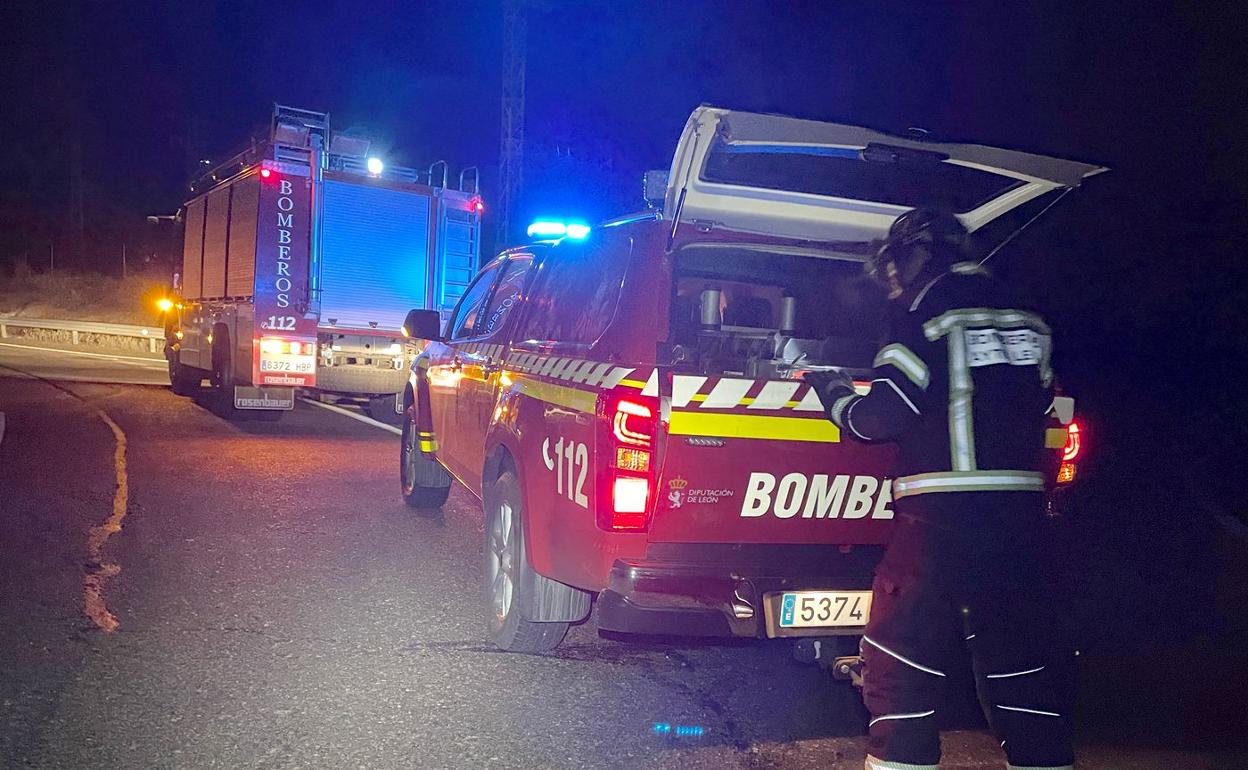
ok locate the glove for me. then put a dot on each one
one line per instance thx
(830, 385)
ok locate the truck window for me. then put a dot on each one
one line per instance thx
(465, 319)
(577, 291)
(505, 296)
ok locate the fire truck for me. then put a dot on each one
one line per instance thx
(630, 405)
(301, 256)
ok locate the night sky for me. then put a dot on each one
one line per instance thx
(1144, 271)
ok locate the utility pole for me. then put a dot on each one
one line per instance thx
(123, 261)
(52, 257)
(511, 141)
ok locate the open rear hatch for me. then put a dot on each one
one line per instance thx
(748, 455)
(802, 179)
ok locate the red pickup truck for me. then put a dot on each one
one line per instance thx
(629, 406)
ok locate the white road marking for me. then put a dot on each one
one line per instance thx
(353, 415)
(155, 363)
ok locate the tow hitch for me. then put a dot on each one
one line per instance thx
(848, 667)
(827, 654)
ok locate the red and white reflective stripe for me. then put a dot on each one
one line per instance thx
(889, 717)
(1014, 673)
(903, 659)
(875, 763)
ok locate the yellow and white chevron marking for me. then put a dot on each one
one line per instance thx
(687, 389)
(731, 392)
(596, 374)
(488, 350)
(700, 405)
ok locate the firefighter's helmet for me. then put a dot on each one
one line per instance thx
(920, 241)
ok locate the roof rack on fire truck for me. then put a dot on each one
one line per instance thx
(294, 133)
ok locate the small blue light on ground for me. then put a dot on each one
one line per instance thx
(678, 731)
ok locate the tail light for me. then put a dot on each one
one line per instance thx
(272, 346)
(276, 346)
(627, 427)
(1074, 443)
(1070, 453)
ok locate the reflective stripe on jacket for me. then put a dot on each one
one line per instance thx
(962, 387)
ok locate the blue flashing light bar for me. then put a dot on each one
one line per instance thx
(547, 228)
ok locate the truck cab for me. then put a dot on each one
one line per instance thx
(630, 406)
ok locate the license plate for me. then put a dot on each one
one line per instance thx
(288, 364)
(817, 609)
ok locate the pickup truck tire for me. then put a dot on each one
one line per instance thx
(510, 583)
(425, 483)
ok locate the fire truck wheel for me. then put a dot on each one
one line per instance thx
(223, 378)
(510, 582)
(426, 484)
(381, 409)
(184, 380)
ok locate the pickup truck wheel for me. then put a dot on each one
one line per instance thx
(509, 580)
(426, 484)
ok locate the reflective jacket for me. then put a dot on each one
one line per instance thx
(962, 387)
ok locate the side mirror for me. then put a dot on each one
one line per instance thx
(422, 325)
(654, 184)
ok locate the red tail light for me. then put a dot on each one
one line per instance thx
(1073, 443)
(641, 431)
(626, 486)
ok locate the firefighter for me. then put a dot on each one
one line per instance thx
(963, 388)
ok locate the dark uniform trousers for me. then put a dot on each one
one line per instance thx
(968, 571)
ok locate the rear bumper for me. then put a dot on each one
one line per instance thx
(360, 379)
(723, 590)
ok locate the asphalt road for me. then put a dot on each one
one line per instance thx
(278, 606)
(67, 363)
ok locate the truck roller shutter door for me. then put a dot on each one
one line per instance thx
(374, 255)
(215, 242)
(193, 250)
(241, 273)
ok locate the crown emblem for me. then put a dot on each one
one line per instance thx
(678, 483)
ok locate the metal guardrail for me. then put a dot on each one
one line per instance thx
(154, 335)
